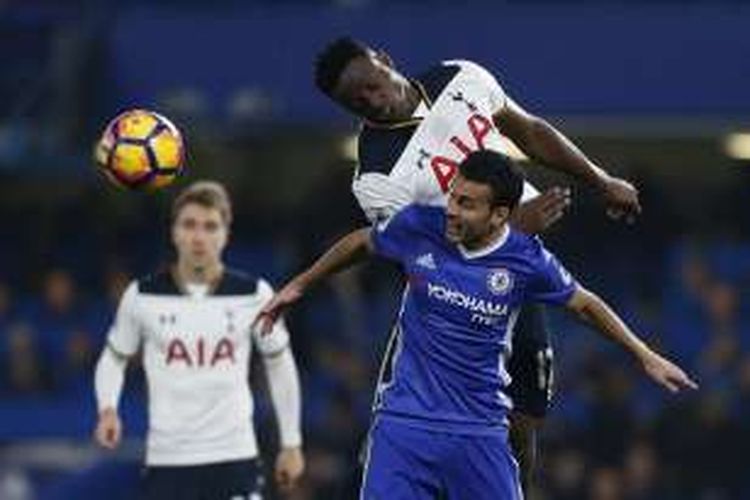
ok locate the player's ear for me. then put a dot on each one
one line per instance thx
(500, 215)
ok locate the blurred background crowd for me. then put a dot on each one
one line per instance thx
(655, 93)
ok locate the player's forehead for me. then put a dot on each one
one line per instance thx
(360, 71)
(463, 187)
(198, 212)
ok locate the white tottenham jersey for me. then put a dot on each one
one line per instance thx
(415, 161)
(196, 354)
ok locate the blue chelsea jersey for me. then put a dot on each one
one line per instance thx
(456, 320)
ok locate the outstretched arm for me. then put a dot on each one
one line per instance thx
(594, 311)
(349, 250)
(542, 142)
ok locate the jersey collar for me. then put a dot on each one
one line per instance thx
(198, 290)
(484, 251)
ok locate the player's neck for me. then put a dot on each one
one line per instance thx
(487, 244)
(190, 273)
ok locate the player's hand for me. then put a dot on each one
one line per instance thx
(109, 429)
(621, 198)
(666, 373)
(270, 313)
(290, 464)
(538, 214)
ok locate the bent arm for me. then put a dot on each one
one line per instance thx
(543, 143)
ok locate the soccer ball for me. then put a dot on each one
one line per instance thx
(140, 149)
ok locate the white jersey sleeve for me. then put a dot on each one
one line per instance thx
(125, 334)
(109, 377)
(283, 383)
(491, 90)
(278, 339)
(380, 196)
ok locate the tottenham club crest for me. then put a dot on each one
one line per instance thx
(499, 281)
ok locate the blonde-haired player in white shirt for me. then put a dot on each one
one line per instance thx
(192, 324)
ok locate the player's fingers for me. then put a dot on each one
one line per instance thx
(266, 324)
(551, 203)
(553, 218)
(684, 381)
(112, 436)
(556, 201)
(551, 195)
(613, 213)
(105, 437)
(283, 479)
(258, 321)
(101, 436)
(555, 210)
(670, 385)
(98, 436)
(631, 211)
(636, 206)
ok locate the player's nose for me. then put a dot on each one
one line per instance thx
(199, 238)
(376, 100)
(451, 209)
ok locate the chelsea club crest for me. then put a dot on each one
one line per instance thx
(499, 281)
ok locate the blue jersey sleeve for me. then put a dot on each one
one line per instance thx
(394, 237)
(551, 283)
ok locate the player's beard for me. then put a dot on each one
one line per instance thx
(471, 236)
(454, 231)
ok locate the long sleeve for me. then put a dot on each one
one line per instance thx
(109, 379)
(283, 381)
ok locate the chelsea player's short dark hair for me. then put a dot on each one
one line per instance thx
(497, 171)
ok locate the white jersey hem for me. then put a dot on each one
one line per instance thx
(167, 459)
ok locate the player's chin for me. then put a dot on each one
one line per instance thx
(199, 259)
(453, 234)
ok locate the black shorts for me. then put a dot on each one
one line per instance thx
(530, 365)
(238, 480)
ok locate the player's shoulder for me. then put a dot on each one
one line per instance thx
(237, 282)
(160, 282)
(524, 244)
(233, 282)
(436, 78)
(421, 218)
(379, 148)
(471, 70)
